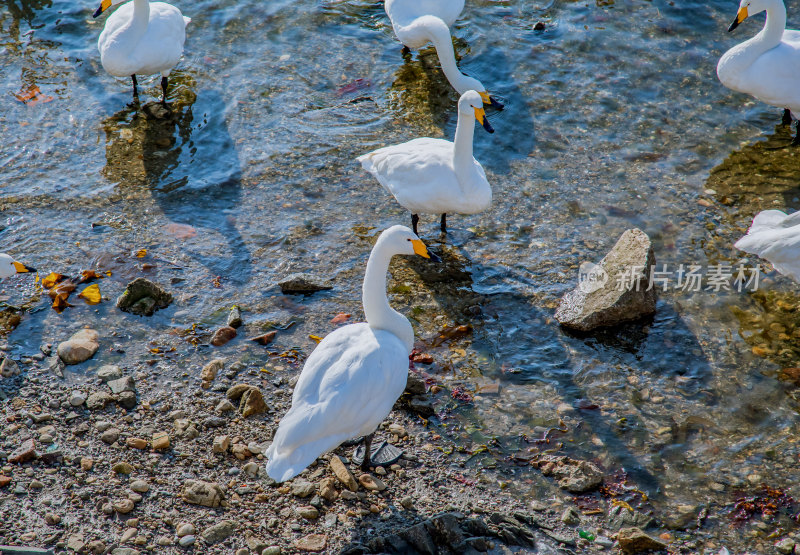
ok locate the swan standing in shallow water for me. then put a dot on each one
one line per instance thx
(434, 176)
(352, 379)
(142, 37)
(766, 66)
(775, 237)
(418, 22)
(9, 266)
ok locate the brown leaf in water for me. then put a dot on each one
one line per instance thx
(91, 294)
(341, 317)
(448, 334)
(88, 275)
(60, 302)
(265, 339)
(33, 96)
(52, 279)
(181, 231)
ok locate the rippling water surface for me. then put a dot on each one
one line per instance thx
(614, 120)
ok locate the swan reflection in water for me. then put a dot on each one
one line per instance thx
(181, 161)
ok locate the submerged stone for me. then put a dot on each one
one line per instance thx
(614, 291)
(143, 297)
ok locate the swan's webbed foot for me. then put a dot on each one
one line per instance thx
(443, 223)
(414, 222)
(787, 117)
(164, 83)
(367, 452)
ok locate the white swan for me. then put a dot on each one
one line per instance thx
(418, 22)
(142, 37)
(775, 237)
(352, 379)
(9, 266)
(765, 66)
(434, 176)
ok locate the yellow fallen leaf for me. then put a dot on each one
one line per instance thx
(91, 294)
(141, 253)
(108, 273)
(316, 338)
(51, 280)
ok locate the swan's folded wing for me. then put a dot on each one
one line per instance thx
(414, 170)
(775, 237)
(773, 78)
(349, 384)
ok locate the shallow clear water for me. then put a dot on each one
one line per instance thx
(614, 119)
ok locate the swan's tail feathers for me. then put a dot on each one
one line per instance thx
(186, 21)
(367, 163)
(286, 464)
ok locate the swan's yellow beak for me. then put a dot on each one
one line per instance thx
(420, 248)
(104, 5)
(22, 268)
(490, 100)
(741, 15)
(480, 115)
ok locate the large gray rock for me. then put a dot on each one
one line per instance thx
(143, 297)
(303, 283)
(80, 347)
(615, 290)
(207, 494)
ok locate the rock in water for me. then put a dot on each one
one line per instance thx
(80, 347)
(303, 283)
(235, 317)
(615, 290)
(223, 335)
(573, 475)
(634, 540)
(143, 297)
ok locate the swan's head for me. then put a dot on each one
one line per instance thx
(472, 84)
(471, 104)
(748, 8)
(399, 239)
(9, 266)
(105, 4)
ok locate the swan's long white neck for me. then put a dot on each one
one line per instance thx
(770, 36)
(439, 34)
(137, 26)
(380, 315)
(462, 144)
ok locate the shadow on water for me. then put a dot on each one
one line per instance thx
(421, 93)
(22, 10)
(504, 318)
(185, 161)
(760, 176)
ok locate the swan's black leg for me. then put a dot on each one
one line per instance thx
(135, 87)
(787, 117)
(414, 222)
(796, 140)
(444, 223)
(367, 452)
(164, 91)
(406, 51)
